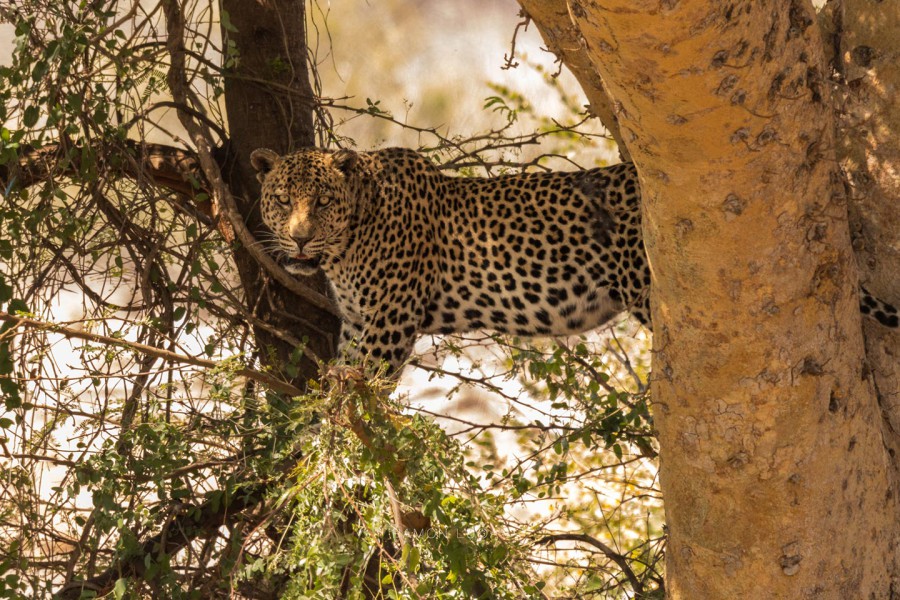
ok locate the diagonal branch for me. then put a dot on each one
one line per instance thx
(564, 39)
(611, 554)
(265, 378)
(192, 522)
(219, 192)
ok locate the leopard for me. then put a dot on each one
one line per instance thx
(410, 250)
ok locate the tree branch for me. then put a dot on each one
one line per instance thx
(192, 522)
(166, 166)
(265, 378)
(611, 554)
(220, 193)
(564, 39)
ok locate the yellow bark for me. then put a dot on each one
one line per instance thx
(773, 469)
(868, 40)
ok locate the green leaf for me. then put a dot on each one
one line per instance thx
(215, 500)
(40, 69)
(225, 19)
(6, 291)
(120, 589)
(17, 306)
(31, 116)
(412, 558)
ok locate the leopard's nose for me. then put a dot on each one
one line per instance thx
(300, 240)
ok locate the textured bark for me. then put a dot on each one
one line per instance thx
(564, 39)
(270, 103)
(269, 98)
(772, 464)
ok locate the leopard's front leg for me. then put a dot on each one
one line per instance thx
(378, 341)
(350, 333)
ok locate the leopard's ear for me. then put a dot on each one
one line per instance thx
(263, 160)
(344, 160)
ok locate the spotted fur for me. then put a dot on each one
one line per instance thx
(409, 250)
(881, 311)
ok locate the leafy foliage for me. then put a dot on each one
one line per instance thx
(130, 474)
(368, 457)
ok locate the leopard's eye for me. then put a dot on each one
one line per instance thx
(281, 196)
(324, 200)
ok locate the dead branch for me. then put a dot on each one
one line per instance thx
(265, 378)
(510, 58)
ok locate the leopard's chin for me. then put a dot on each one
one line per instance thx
(300, 264)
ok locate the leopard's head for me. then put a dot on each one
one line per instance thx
(307, 203)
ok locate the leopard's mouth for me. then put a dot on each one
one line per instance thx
(301, 264)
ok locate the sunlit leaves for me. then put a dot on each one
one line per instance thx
(344, 515)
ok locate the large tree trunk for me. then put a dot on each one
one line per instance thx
(776, 480)
(270, 104)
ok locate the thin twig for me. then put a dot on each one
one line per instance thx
(269, 380)
(511, 57)
(611, 554)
